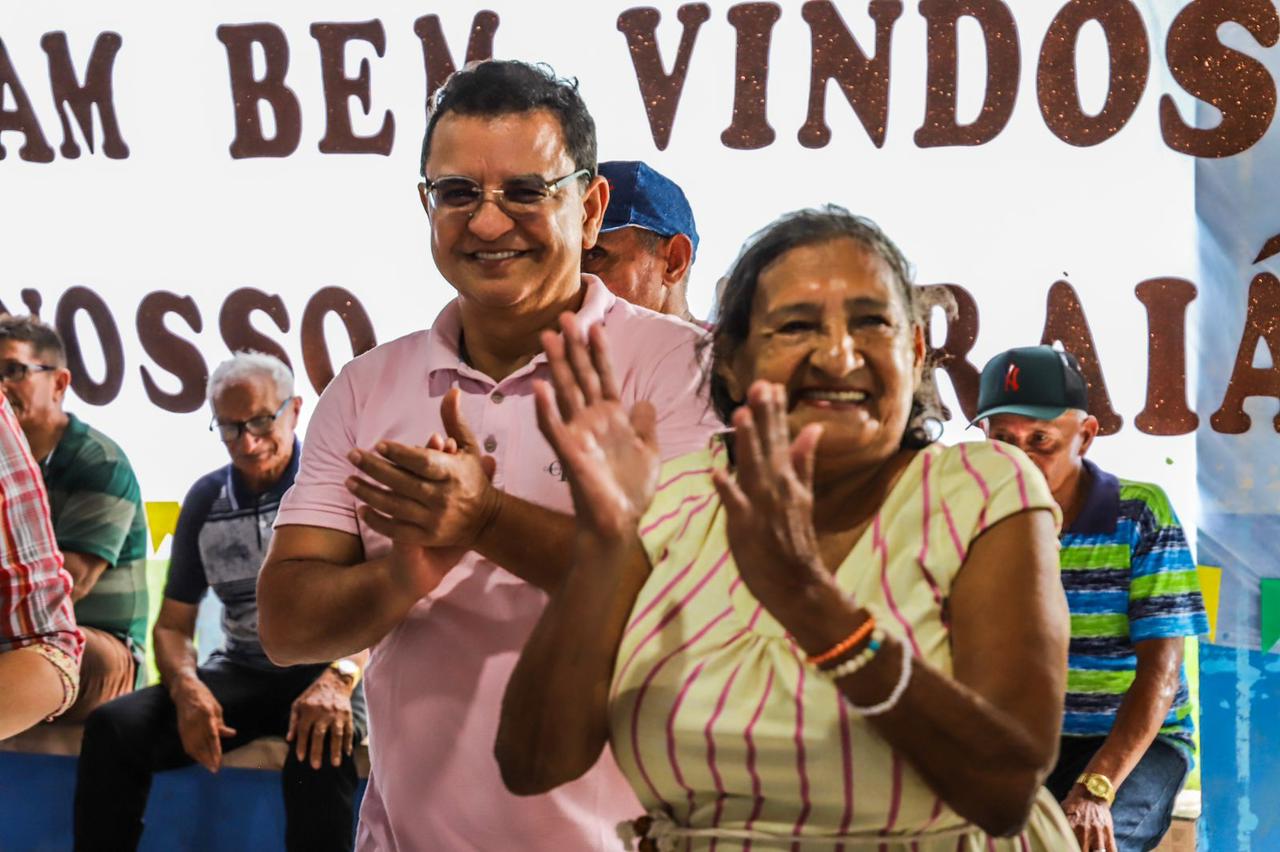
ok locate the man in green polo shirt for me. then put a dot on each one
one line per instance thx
(96, 507)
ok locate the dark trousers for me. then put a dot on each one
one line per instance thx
(1143, 807)
(129, 739)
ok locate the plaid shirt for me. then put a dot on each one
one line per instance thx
(35, 592)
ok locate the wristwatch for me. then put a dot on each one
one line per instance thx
(1099, 786)
(347, 670)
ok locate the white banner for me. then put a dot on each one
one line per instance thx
(223, 186)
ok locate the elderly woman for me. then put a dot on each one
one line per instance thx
(822, 632)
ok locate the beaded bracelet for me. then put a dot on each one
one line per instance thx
(900, 687)
(842, 647)
(858, 661)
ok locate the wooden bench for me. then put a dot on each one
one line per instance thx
(265, 753)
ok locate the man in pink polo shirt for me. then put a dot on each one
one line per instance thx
(436, 556)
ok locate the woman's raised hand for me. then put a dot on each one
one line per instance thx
(768, 502)
(608, 454)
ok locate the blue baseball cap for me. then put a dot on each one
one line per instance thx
(641, 197)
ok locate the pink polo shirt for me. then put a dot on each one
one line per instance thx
(435, 683)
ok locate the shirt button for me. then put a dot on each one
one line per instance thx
(497, 396)
(490, 444)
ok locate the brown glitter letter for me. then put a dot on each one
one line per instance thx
(1262, 322)
(836, 54)
(953, 355)
(22, 117)
(339, 138)
(660, 90)
(1064, 323)
(246, 91)
(1003, 66)
(239, 334)
(74, 301)
(171, 352)
(436, 57)
(750, 126)
(1056, 84)
(1166, 411)
(1236, 84)
(315, 350)
(81, 99)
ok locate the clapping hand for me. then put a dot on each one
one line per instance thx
(609, 454)
(433, 502)
(768, 501)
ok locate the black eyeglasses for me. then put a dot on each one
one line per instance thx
(258, 427)
(16, 371)
(519, 196)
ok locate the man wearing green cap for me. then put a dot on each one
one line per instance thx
(1133, 594)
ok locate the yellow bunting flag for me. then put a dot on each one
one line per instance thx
(1210, 584)
(162, 520)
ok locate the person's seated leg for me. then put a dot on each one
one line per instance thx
(132, 737)
(318, 803)
(125, 742)
(107, 671)
(33, 690)
(1143, 807)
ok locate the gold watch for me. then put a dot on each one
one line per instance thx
(348, 670)
(1099, 786)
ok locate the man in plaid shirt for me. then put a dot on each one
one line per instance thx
(40, 645)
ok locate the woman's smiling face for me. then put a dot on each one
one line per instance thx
(830, 325)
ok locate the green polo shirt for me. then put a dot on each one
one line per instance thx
(96, 507)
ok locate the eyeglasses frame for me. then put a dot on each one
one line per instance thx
(242, 426)
(29, 369)
(550, 189)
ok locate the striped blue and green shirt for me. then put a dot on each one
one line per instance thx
(1129, 576)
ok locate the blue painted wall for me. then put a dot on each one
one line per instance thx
(189, 809)
(1240, 741)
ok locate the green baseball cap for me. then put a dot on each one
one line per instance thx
(1039, 382)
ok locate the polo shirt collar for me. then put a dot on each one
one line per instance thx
(445, 353)
(1101, 505)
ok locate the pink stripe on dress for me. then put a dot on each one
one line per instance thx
(661, 519)
(927, 522)
(961, 551)
(751, 759)
(895, 794)
(671, 734)
(665, 590)
(1017, 470)
(680, 476)
(878, 542)
(805, 805)
(644, 688)
(982, 486)
(846, 763)
(711, 749)
(670, 614)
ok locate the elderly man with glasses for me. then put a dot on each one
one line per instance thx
(96, 508)
(429, 513)
(198, 712)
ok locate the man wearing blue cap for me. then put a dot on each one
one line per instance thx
(1134, 596)
(648, 240)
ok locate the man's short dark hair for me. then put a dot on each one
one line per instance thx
(43, 338)
(503, 87)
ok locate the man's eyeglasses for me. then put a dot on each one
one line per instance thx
(258, 427)
(519, 196)
(16, 371)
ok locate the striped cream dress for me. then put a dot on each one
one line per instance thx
(731, 741)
